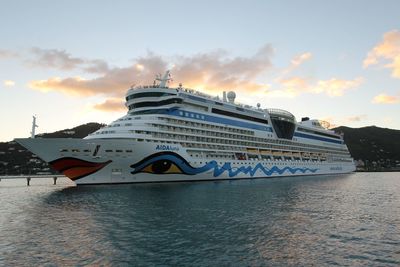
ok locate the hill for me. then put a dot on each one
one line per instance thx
(372, 143)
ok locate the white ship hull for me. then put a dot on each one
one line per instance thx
(179, 134)
(133, 162)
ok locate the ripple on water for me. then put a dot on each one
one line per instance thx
(325, 220)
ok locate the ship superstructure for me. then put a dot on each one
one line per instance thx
(179, 134)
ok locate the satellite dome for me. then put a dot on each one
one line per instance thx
(231, 96)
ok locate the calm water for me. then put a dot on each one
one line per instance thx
(312, 221)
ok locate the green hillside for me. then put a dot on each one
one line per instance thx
(372, 143)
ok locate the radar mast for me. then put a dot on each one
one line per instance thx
(164, 80)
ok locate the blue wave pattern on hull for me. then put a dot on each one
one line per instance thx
(185, 167)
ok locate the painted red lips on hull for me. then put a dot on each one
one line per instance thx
(75, 168)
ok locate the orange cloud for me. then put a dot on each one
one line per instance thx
(386, 99)
(389, 50)
(298, 60)
(295, 86)
(9, 83)
(111, 104)
(214, 69)
(331, 122)
(336, 87)
(114, 82)
(75, 86)
(294, 64)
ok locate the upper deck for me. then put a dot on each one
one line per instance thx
(159, 98)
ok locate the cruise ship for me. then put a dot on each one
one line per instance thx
(180, 134)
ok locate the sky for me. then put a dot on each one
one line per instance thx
(71, 62)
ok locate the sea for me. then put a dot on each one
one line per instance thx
(338, 220)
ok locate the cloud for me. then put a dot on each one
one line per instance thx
(54, 58)
(111, 105)
(9, 83)
(60, 59)
(214, 69)
(336, 87)
(387, 50)
(7, 54)
(291, 87)
(96, 66)
(331, 122)
(295, 86)
(296, 62)
(386, 99)
(356, 118)
(114, 82)
(300, 59)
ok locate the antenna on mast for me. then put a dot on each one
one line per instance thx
(34, 126)
(165, 79)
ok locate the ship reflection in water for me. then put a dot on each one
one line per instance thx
(343, 220)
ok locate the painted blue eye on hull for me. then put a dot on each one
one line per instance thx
(180, 162)
(187, 169)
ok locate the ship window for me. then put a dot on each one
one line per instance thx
(64, 150)
(74, 150)
(87, 151)
(155, 103)
(239, 116)
(147, 94)
(118, 150)
(317, 132)
(108, 150)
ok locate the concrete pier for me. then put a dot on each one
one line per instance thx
(28, 178)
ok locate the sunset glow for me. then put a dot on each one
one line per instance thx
(297, 57)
